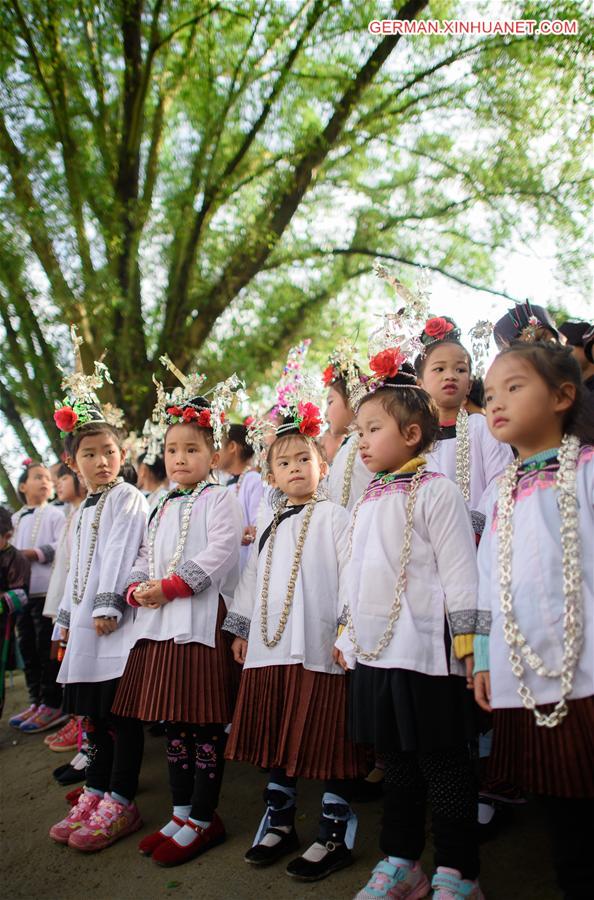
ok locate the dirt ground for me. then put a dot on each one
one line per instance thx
(515, 866)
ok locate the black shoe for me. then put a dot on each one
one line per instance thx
(261, 855)
(338, 856)
(71, 776)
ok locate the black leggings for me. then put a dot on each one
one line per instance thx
(572, 828)
(447, 779)
(34, 634)
(115, 753)
(196, 760)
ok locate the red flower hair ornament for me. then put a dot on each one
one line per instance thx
(387, 363)
(438, 327)
(65, 418)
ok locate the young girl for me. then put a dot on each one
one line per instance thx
(70, 493)
(348, 475)
(15, 572)
(411, 589)
(465, 451)
(536, 570)
(95, 621)
(291, 710)
(36, 528)
(180, 669)
(245, 482)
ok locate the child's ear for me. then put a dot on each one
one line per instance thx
(271, 479)
(123, 454)
(324, 469)
(71, 463)
(412, 435)
(215, 459)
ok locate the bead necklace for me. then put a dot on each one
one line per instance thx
(37, 517)
(348, 470)
(241, 478)
(78, 593)
(272, 642)
(183, 532)
(520, 652)
(371, 655)
(463, 454)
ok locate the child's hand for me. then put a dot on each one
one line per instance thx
(151, 595)
(105, 625)
(469, 664)
(249, 535)
(482, 690)
(64, 634)
(239, 648)
(338, 657)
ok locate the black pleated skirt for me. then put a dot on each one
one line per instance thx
(91, 699)
(396, 709)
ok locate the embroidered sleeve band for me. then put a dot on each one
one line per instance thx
(483, 622)
(48, 553)
(463, 621)
(63, 619)
(135, 577)
(237, 625)
(195, 577)
(107, 604)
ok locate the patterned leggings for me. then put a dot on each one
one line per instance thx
(196, 760)
(447, 779)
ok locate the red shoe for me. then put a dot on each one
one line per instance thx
(72, 796)
(170, 853)
(152, 841)
(66, 739)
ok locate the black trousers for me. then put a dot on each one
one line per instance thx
(196, 762)
(34, 634)
(116, 747)
(447, 779)
(572, 828)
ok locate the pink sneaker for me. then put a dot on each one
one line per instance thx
(21, 717)
(66, 739)
(76, 818)
(45, 717)
(397, 882)
(108, 822)
(448, 884)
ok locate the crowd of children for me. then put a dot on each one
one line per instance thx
(312, 607)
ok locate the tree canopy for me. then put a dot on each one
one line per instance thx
(214, 180)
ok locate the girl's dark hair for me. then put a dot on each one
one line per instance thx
(129, 473)
(339, 385)
(157, 467)
(409, 406)
(284, 439)
(556, 365)
(5, 521)
(73, 441)
(476, 394)
(25, 474)
(238, 433)
(66, 470)
(206, 433)
(422, 358)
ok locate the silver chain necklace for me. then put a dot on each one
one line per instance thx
(79, 592)
(521, 654)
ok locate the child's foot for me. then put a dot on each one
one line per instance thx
(174, 853)
(76, 818)
(448, 884)
(276, 843)
(150, 843)
(21, 717)
(319, 861)
(66, 739)
(109, 821)
(397, 882)
(46, 717)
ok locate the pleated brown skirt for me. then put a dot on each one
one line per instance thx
(291, 718)
(165, 681)
(555, 762)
